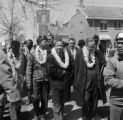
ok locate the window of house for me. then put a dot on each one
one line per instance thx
(103, 25)
(117, 24)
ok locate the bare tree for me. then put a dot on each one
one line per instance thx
(11, 16)
(43, 4)
(10, 20)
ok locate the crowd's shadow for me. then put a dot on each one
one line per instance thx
(50, 114)
(67, 109)
(70, 114)
(27, 115)
(73, 115)
(103, 111)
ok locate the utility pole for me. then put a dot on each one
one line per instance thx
(81, 3)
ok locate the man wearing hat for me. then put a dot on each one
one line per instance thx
(81, 44)
(113, 75)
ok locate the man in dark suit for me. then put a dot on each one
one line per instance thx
(71, 69)
(58, 64)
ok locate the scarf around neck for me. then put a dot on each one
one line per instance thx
(58, 59)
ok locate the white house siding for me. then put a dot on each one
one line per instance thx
(86, 29)
(78, 27)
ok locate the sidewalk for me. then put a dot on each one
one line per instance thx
(71, 112)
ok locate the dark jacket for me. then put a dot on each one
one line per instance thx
(81, 75)
(55, 71)
(71, 61)
(24, 65)
(71, 68)
(57, 74)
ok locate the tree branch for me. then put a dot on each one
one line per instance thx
(23, 8)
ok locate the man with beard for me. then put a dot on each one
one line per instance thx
(113, 75)
(58, 64)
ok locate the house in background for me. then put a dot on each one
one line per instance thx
(63, 33)
(90, 20)
(60, 32)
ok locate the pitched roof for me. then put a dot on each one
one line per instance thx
(95, 12)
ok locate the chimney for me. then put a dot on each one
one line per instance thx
(81, 3)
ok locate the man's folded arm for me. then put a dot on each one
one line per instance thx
(109, 76)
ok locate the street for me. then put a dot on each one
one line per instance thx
(71, 111)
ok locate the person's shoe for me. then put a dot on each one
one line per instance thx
(42, 117)
(85, 118)
(36, 117)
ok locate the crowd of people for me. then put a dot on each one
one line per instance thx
(56, 68)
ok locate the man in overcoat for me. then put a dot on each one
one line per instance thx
(72, 49)
(87, 84)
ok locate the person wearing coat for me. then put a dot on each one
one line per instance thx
(17, 62)
(113, 77)
(58, 64)
(87, 84)
(7, 81)
(71, 49)
(29, 68)
(37, 79)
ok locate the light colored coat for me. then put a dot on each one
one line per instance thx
(6, 78)
(16, 64)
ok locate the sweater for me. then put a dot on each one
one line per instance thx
(113, 77)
